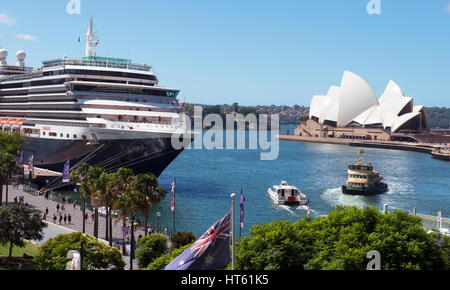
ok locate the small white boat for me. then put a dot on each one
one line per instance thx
(285, 194)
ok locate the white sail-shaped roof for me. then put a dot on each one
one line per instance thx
(403, 119)
(316, 106)
(356, 97)
(330, 107)
(354, 101)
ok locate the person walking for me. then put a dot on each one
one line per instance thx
(60, 218)
(69, 218)
(74, 204)
(62, 207)
(86, 216)
(92, 216)
(54, 218)
(150, 229)
(46, 210)
(65, 218)
(57, 207)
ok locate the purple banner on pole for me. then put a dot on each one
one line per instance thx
(20, 160)
(31, 163)
(66, 172)
(241, 204)
(126, 232)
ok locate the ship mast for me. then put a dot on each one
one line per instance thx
(90, 38)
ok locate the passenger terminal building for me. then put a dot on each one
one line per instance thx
(352, 111)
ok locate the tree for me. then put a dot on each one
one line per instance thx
(180, 239)
(106, 197)
(7, 164)
(11, 142)
(341, 241)
(10, 145)
(91, 183)
(77, 176)
(150, 248)
(121, 181)
(53, 253)
(129, 203)
(19, 222)
(150, 193)
(164, 260)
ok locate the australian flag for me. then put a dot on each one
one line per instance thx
(66, 172)
(210, 252)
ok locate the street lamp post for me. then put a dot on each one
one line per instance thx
(132, 243)
(158, 214)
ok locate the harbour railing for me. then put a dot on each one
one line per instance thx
(429, 222)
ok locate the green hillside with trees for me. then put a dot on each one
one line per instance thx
(438, 117)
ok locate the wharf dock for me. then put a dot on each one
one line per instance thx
(418, 147)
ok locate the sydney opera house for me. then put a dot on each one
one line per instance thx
(352, 111)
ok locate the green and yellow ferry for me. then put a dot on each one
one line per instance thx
(363, 180)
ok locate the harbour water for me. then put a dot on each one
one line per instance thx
(206, 178)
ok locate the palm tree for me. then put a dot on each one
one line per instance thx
(105, 196)
(129, 201)
(77, 176)
(121, 181)
(150, 193)
(91, 181)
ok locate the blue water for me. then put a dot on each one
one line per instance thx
(206, 178)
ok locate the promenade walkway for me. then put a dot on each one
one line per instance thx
(40, 203)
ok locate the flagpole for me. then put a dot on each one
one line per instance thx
(240, 226)
(174, 182)
(233, 262)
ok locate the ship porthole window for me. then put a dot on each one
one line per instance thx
(61, 135)
(43, 133)
(84, 137)
(68, 135)
(75, 136)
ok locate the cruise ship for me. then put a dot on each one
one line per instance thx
(108, 112)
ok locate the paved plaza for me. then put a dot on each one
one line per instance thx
(40, 203)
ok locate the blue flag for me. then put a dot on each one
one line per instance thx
(66, 172)
(210, 252)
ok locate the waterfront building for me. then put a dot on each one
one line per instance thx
(352, 111)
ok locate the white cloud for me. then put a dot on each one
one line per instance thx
(5, 19)
(26, 36)
(448, 7)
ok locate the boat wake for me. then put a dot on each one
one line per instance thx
(295, 209)
(334, 196)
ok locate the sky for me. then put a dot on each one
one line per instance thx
(253, 52)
